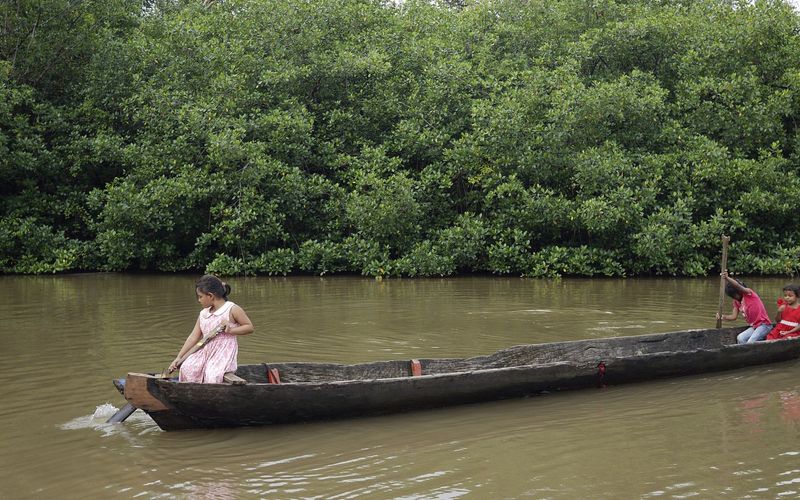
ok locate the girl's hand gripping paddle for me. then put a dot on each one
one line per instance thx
(199, 345)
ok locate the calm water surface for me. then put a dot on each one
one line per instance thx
(732, 434)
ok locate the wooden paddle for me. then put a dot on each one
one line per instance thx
(723, 268)
(128, 409)
(122, 414)
(199, 345)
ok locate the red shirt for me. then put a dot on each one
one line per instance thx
(753, 309)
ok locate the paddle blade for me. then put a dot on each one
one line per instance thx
(122, 414)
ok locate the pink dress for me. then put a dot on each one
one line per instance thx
(209, 364)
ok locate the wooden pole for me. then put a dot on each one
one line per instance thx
(723, 268)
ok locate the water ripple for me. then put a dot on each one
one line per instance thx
(729, 434)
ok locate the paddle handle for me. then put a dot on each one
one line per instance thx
(199, 345)
(723, 268)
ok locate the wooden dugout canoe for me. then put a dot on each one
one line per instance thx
(318, 391)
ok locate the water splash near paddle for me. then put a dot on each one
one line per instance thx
(99, 417)
(104, 411)
(96, 420)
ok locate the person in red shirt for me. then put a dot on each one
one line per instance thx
(749, 303)
(788, 317)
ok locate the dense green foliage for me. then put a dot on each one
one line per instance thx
(533, 137)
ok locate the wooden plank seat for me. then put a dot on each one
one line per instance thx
(233, 379)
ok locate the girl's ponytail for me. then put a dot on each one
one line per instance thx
(211, 284)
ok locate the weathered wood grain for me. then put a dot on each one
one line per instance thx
(315, 391)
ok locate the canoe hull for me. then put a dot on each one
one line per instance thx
(506, 374)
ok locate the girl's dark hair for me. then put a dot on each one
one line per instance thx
(733, 292)
(793, 288)
(211, 284)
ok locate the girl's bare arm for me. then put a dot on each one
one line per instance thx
(191, 340)
(245, 325)
(733, 315)
(741, 289)
(778, 315)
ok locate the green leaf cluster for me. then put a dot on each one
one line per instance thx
(418, 138)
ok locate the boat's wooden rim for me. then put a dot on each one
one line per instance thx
(427, 376)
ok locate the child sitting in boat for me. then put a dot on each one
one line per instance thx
(218, 356)
(749, 303)
(788, 317)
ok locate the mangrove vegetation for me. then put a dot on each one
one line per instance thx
(399, 138)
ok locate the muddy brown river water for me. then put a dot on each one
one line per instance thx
(734, 434)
